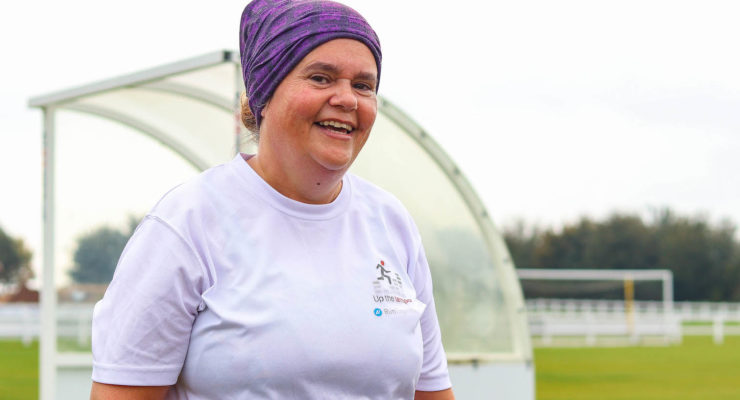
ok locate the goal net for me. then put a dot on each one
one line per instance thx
(593, 302)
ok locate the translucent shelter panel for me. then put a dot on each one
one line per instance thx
(203, 130)
(469, 298)
(121, 144)
(219, 79)
(108, 176)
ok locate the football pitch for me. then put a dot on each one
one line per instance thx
(18, 370)
(696, 369)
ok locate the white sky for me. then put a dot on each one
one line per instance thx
(553, 109)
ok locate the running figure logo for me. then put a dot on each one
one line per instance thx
(383, 272)
(389, 298)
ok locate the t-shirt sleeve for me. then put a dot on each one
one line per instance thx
(141, 327)
(434, 375)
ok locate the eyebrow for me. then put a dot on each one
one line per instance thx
(332, 69)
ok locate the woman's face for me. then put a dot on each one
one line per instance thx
(322, 112)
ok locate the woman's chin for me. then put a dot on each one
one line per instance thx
(334, 162)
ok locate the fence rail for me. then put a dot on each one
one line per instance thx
(685, 310)
(590, 321)
(23, 321)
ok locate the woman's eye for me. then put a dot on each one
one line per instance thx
(363, 87)
(319, 79)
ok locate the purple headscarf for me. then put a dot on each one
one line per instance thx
(275, 35)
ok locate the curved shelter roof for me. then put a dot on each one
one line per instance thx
(189, 107)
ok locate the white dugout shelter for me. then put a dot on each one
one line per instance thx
(189, 108)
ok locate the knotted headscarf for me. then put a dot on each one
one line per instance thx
(275, 35)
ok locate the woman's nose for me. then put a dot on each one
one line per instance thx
(344, 96)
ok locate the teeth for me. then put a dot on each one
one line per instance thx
(336, 124)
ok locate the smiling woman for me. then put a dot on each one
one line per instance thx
(229, 286)
(317, 122)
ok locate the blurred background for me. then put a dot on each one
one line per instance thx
(598, 135)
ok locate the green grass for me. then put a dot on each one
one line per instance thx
(697, 369)
(19, 370)
(70, 345)
(709, 323)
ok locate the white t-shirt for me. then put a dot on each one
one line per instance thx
(230, 290)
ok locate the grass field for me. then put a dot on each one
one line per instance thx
(18, 370)
(695, 370)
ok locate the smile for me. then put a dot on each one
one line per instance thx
(336, 126)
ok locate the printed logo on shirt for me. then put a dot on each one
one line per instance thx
(394, 282)
(388, 291)
(383, 272)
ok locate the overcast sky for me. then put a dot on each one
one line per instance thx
(553, 109)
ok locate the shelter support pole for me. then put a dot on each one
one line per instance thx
(48, 334)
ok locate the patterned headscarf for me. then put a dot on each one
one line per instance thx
(275, 35)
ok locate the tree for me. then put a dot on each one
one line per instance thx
(566, 249)
(97, 253)
(522, 242)
(15, 258)
(621, 242)
(705, 259)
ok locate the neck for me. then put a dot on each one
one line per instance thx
(308, 185)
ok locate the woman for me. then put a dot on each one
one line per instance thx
(279, 275)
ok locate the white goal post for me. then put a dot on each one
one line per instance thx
(624, 275)
(628, 276)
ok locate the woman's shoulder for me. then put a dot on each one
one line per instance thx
(366, 191)
(203, 197)
(194, 192)
(379, 202)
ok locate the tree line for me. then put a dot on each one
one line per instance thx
(703, 256)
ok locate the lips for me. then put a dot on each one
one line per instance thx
(339, 127)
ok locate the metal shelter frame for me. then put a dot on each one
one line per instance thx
(152, 79)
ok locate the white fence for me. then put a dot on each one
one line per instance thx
(593, 322)
(23, 321)
(605, 321)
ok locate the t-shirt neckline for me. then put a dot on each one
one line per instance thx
(284, 204)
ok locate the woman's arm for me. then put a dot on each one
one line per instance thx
(142, 327)
(439, 395)
(103, 391)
